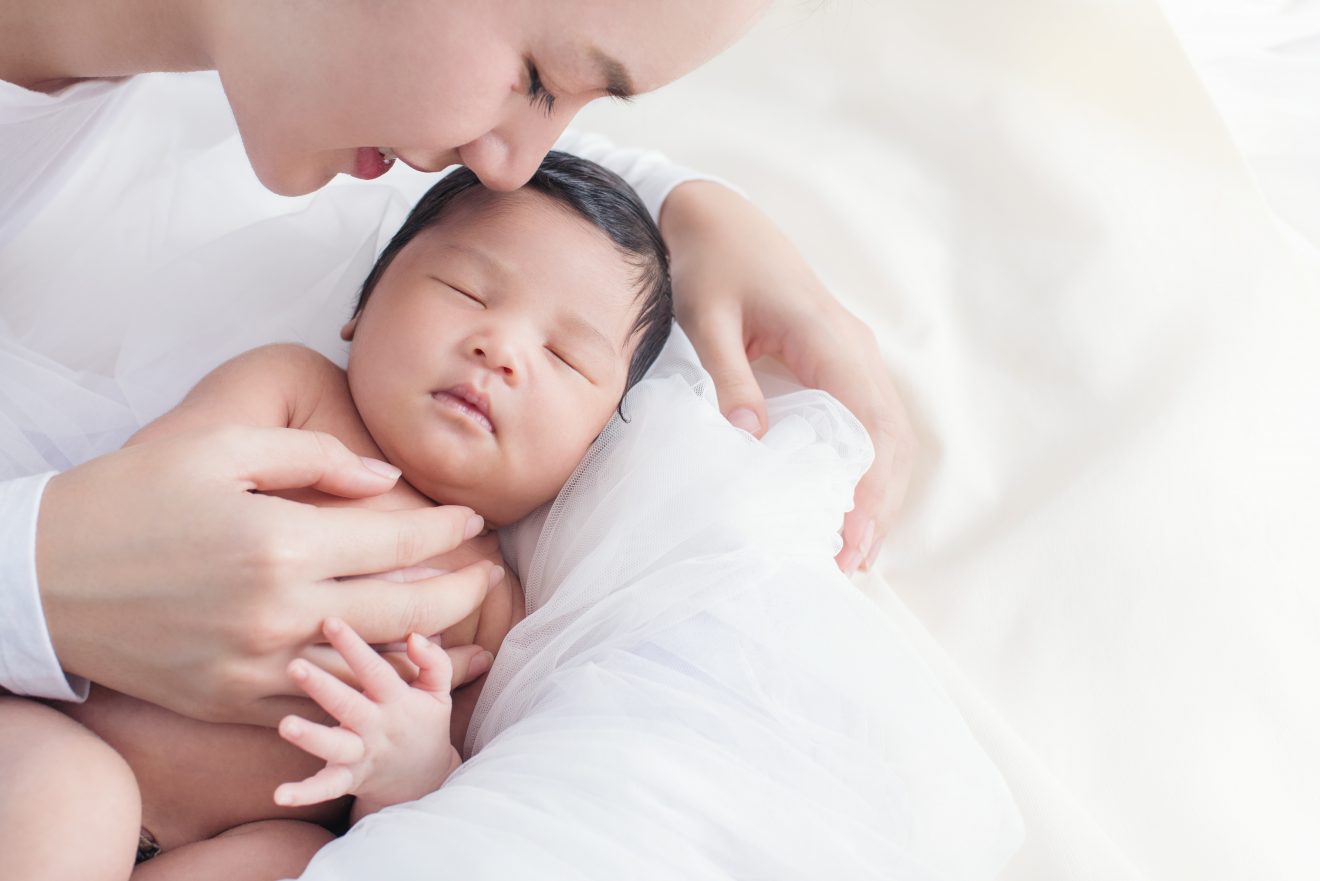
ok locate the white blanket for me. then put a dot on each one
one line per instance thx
(1105, 331)
(697, 692)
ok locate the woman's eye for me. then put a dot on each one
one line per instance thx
(536, 92)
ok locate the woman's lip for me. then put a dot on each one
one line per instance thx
(368, 164)
(453, 402)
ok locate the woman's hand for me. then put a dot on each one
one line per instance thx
(392, 743)
(742, 291)
(164, 575)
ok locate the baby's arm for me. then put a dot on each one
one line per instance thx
(392, 744)
(275, 385)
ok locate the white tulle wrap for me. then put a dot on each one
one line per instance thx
(697, 692)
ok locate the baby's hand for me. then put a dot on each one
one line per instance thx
(392, 744)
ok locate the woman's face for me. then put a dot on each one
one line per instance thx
(317, 87)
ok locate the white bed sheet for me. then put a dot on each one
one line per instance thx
(1102, 318)
(1110, 342)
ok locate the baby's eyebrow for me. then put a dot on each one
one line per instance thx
(578, 326)
(491, 263)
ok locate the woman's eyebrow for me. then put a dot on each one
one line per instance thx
(618, 82)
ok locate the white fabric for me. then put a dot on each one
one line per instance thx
(42, 139)
(697, 692)
(95, 340)
(1260, 63)
(1109, 344)
(27, 659)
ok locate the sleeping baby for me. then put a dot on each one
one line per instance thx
(492, 341)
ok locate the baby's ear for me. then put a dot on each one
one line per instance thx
(346, 332)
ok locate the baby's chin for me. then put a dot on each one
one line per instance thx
(498, 509)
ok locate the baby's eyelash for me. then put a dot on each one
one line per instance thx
(566, 362)
(536, 92)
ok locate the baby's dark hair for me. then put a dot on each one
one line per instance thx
(599, 196)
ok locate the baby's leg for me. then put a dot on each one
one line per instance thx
(264, 851)
(69, 805)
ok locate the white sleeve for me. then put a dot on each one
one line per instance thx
(27, 659)
(649, 172)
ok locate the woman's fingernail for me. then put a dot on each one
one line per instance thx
(410, 574)
(851, 562)
(480, 664)
(875, 552)
(864, 549)
(746, 419)
(384, 469)
(496, 573)
(475, 524)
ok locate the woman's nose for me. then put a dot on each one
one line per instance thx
(508, 155)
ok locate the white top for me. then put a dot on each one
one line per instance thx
(44, 139)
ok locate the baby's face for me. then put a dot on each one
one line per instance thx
(493, 350)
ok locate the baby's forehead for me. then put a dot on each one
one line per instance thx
(541, 243)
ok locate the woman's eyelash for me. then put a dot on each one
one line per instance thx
(536, 92)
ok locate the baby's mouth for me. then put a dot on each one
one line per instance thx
(469, 402)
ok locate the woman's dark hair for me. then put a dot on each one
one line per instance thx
(599, 196)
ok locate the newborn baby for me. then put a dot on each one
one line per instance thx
(491, 343)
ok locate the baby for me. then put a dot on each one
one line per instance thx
(491, 343)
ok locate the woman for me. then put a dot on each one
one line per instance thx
(157, 572)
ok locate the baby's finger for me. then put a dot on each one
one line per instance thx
(329, 660)
(350, 707)
(435, 670)
(377, 678)
(327, 784)
(337, 746)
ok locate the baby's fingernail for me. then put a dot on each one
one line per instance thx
(496, 573)
(298, 670)
(292, 728)
(282, 797)
(745, 419)
(475, 524)
(480, 664)
(333, 625)
(384, 469)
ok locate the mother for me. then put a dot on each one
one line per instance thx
(154, 570)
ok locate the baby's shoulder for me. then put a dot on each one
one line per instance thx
(298, 380)
(286, 359)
